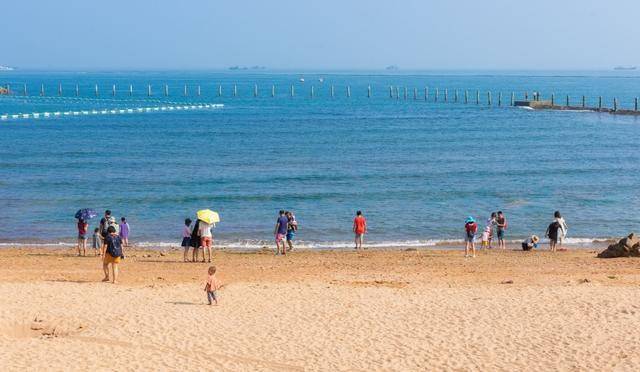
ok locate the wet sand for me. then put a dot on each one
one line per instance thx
(330, 310)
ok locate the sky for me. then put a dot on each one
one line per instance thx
(323, 34)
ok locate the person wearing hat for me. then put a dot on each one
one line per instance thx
(530, 243)
(471, 228)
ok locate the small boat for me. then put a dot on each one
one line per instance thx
(624, 68)
(321, 80)
(302, 80)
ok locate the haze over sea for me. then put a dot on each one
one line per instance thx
(416, 169)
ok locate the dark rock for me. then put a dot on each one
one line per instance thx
(626, 247)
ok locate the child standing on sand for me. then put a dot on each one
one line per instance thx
(470, 227)
(124, 231)
(96, 241)
(212, 286)
(486, 237)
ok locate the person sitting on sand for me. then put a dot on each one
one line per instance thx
(83, 226)
(359, 229)
(530, 243)
(553, 232)
(212, 286)
(470, 227)
(112, 253)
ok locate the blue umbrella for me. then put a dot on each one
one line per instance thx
(86, 214)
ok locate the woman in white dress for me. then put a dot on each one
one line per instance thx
(557, 217)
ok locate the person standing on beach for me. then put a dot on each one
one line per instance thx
(359, 229)
(112, 253)
(104, 223)
(195, 241)
(563, 229)
(292, 228)
(501, 224)
(470, 228)
(206, 239)
(280, 232)
(83, 226)
(124, 231)
(553, 233)
(491, 225)
(186, 238)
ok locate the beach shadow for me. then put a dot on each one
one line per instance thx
(70, 281)
(183, 303)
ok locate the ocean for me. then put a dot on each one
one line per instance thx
(416, 168)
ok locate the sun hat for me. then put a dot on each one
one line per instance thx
(469, 220)
(535, 238)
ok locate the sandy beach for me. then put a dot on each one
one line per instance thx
(330, 310)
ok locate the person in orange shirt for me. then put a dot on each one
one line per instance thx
(359, 228)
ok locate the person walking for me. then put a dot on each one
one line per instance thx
(359, 229)
(292, 229)
(280, 232)
(470, 228)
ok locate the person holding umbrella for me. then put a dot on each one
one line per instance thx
(83, 215)
(207, 219)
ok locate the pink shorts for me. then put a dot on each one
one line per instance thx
(279, 237)
(205, 241)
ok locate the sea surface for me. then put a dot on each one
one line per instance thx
(416, 168)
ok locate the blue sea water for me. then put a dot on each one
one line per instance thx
(415, 167)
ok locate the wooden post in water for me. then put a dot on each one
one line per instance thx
(553, 99)
(397, 93)
(348, 91)
(635, 104)
(369, 91)
(499, 99)
(113, 89)
(199, 91)
(426, 93)
(186, 92)
(273, 90)
(96, 89)
(390, 91)
(615, 104)
(455, 96)
(42, 90)
(513, 98)
(584, 101)
(130, 89)
(466, 96)
(312, 93)
(292, 91)
(333, 91)
(435, 98)
(149, 90)
(488, 98)
(599, 102)
(405, 93)
(255, 90)
(446, 94)
(25, 89)
(59, 89)
(415, 94)
(166, 90)
(526, 96)
(477, 97)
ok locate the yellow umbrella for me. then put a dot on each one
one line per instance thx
(208, 216)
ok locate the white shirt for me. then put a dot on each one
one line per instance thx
(205, 229)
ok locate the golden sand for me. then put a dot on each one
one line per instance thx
(377, 310)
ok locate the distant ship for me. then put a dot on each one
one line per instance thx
(625, 68)
(6, 68)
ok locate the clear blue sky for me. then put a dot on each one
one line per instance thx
(326, 34)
